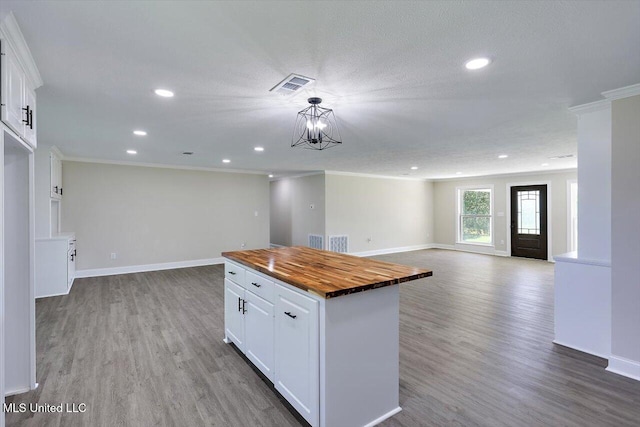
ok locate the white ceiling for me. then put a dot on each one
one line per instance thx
(392, 71)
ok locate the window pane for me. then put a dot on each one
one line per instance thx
(476, 202)
(476, 229)
(529, 212)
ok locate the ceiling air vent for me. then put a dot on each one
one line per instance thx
(291, 84)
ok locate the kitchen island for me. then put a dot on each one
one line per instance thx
(322, 326)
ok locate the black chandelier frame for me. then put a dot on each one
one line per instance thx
(316, 127)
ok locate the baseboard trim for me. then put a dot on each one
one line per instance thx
(389, 414)
(16, 391)
(625, 367)
(582, 349)
(99, 272)
(392, 250)
(61, 294)
(484, 250)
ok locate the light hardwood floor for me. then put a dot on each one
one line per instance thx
(475, 349)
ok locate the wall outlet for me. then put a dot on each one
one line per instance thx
(312, 206)
(113, 255)
(243, 245)
(369, 239)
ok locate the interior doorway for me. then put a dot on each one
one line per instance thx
(529, 236)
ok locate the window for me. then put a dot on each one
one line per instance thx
(474, 216)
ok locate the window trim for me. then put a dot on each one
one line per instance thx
(458, 220)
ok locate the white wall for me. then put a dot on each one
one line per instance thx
(293, 219)
(280, 212)
(594, 185)
(445, 206)
(625, 260)
(149, 215)
(17, 270)
(394, 213)
(307, 191)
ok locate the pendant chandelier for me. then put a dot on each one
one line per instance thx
(316, 127)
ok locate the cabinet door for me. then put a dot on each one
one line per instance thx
(71, 264)
(13, 85)
(258, 333)
(233, 316)
(56, 177)
(30, 128)
(297, 353)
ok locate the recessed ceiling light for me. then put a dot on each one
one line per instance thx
(477, 63)
(413, 168)
(132, 152)
(164, 93)
(503, 156)
(258, 148)
(139, 132)
(545, 164)
(270, 175)
(226, 161)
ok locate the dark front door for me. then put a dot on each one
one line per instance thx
(529, 221)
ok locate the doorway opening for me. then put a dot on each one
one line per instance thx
(529, 237)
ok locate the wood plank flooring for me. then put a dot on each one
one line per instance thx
(475, 350)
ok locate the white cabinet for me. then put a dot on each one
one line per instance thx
(18, 97)
(55, 265)
(30, 125)
(335, 360)
(258, 333)
(56, 176)
(13, 84)
(233, 316)
(297, 352)
(248, 318)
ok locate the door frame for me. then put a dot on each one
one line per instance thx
(549, 216)
(569, 225)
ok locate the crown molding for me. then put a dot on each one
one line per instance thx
(161, 166)
(610, 95)
(296, 175)
(367, 175)
(10, 32)
(509, 175)
(590, 107)
(623, 92)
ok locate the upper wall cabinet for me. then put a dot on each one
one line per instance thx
(20, 78)
(56, 175)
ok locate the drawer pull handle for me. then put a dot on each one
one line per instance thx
(255, 284)
(233, 273)
(244, 310)
(288, 313)
(239, 306)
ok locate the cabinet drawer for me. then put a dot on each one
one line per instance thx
(260, 286)
(234, 273)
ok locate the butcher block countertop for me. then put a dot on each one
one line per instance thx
(323, 273)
